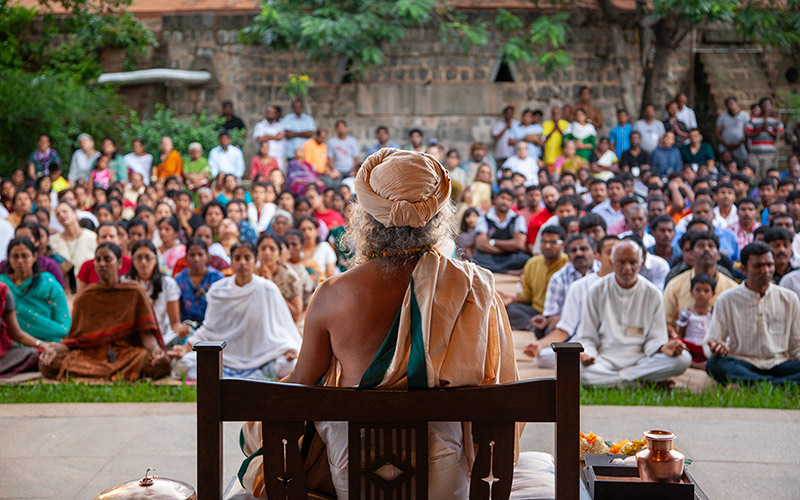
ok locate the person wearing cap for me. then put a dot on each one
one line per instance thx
(408, 292)
(82, 164)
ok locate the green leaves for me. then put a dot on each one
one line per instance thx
(550, 29)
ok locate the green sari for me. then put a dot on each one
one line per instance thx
(41, 306)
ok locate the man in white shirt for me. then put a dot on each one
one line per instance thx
(572, 312)
(650, 129)
(226, 158)
(524, 163)
(685, 113)
(730, 130)
(755, 328)
(298, 127)
(501, 133)
(344, 151)
(270, 129)
(623, 332)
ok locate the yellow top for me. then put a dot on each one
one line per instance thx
(552, 147)
(535, 277)
(678, 293)
(317, 155)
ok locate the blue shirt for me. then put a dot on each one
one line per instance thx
(608, 214)
(665, 161)
(519, 131)
(728, 244)
(294, 123)
(193, 300)
(621, 138)
(377, 147)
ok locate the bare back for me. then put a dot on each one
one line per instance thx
(349, 318)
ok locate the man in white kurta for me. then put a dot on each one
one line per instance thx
(623, 332)
(755, 330)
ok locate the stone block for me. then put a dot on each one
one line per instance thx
(464, 75)
(451, 74)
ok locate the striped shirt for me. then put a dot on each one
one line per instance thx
(558, 286)
(764, 142)
(763, 331)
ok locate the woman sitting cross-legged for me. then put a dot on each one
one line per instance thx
(195, 281)
(114, 333)
(250, 315)
(24, 355)
(41, 304)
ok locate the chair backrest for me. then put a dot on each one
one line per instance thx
(393, 424)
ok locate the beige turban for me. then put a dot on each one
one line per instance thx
(402, 188)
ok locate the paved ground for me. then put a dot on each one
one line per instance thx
(75, 451)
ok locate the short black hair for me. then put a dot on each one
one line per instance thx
(777, 234)
(780, 215)
(793, 196)
(566, 221)
(591, 220)
(786, 182)
(754, 248)
(601, 243)
(659, 219)
(617, 180)
(505, 191)
(704, 278)
(704, 236)
(415, 131)
(214, 203)
(766, 181)
(555, 229)
(570, 199)
(753, 202)
(628, 200)
(723, 185)
(596, 181)
(699, 220)
(580, 236)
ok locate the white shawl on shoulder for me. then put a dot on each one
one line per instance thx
(253, 320)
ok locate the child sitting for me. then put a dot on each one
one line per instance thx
(693, 321)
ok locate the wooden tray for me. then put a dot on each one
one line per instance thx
(607, 481)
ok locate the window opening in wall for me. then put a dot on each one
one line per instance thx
(348, 75)
(792, 75)
(503, 74)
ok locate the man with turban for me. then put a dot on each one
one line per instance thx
(405, 316)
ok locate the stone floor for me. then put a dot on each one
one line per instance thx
(75, 451)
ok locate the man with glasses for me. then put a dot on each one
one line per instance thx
(535, 276)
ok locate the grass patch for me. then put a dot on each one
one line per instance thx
(118, 392)
(761, 395)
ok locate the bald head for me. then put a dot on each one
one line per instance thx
(627, 258)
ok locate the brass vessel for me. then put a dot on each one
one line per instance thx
(659, 463)
(150, 487)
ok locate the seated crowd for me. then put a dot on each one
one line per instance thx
(645, 245)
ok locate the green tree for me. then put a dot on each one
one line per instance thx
(200, 128)
(55, 104)
(361, 30)
(73, 43)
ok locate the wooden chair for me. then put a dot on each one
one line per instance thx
(283, 409)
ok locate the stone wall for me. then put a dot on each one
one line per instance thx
(437, 87)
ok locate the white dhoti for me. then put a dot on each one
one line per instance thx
(653, 368)
(546, 358)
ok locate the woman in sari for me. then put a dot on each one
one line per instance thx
(114, 333)
(171, 161)
(583, 133)
(300, 174)
(41, 304)
(250, 315)
(272, 267)
(171, 250)
(24, 355)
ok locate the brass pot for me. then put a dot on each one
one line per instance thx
(150, 488)
(659, 463)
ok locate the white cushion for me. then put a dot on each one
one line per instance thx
(534, 477)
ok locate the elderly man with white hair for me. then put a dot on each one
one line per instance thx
(523, 163)
(624, 334)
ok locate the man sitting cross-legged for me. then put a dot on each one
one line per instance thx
(406, 316)
(623, 332)
(572, 312)
(535, 276)
(500, 236)
(755, 329)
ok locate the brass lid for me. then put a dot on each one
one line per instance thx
(150, 487)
